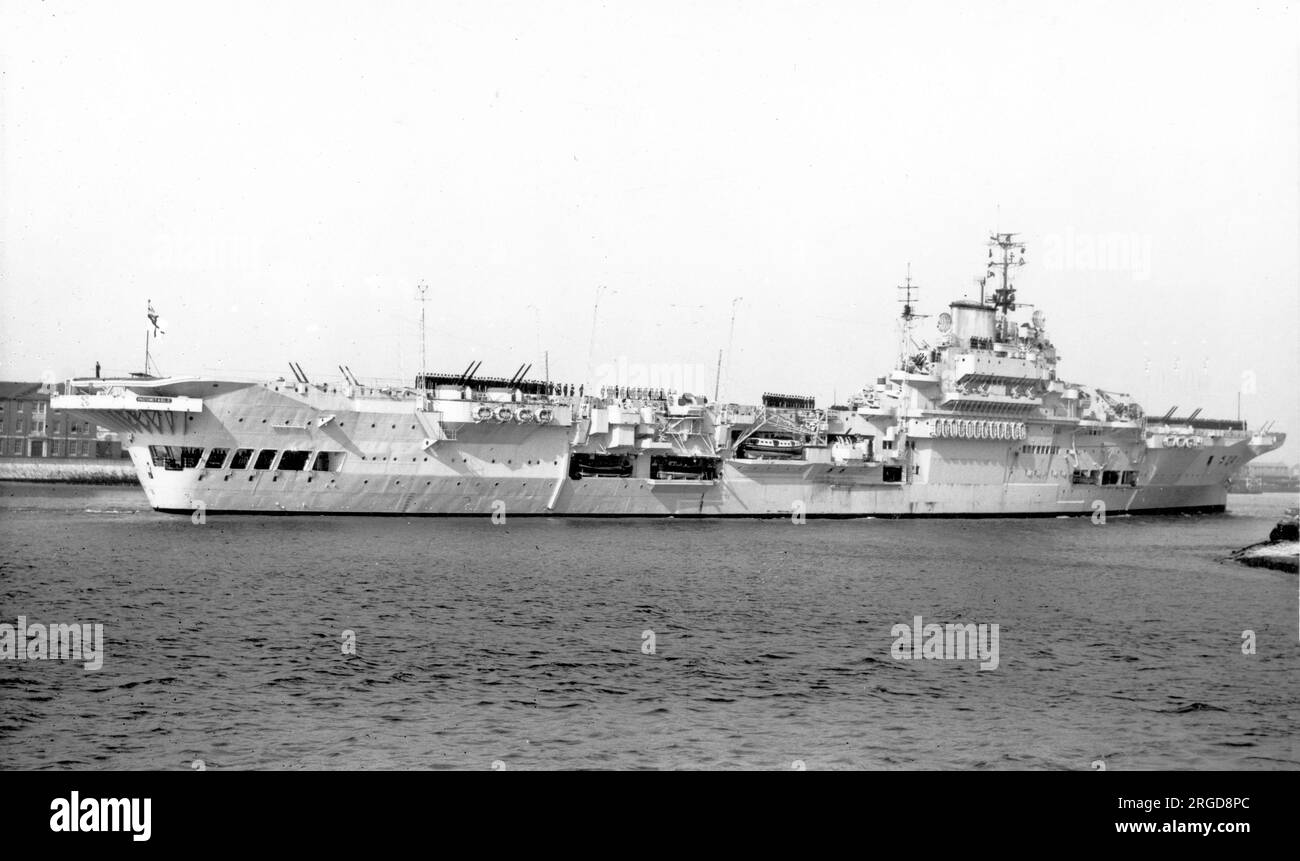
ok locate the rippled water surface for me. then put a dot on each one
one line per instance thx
(523, 642)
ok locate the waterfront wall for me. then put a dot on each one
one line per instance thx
(69, 469)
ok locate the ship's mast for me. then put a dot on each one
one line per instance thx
(731, 337)
(907, 320)
(1004, 297)
(422, 296)
(1011, 254)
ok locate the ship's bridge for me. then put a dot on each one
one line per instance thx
(980, 367)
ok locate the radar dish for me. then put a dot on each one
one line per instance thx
(945, 322)
(1039, 319)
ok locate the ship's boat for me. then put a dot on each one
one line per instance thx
(600, 466)
(683, 468)
(771, 445)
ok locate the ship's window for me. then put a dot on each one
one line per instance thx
(190, 457)
(240, 460)
(295, 461)
(1110, 476)
(166, 456)
(328, 461)
(216, 457)
(265, 458)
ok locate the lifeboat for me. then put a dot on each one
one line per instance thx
(600, 466)
(772, 446)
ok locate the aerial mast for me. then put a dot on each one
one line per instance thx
(1004, 297)
(422, 296)
(1011, 255)
(907, 320)
(731, 336)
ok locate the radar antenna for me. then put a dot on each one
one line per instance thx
(1004, 297)
(908, 288)
(907, 322)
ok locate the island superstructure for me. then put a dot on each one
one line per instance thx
(976, 424)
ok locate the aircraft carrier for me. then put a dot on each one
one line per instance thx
(977, 423)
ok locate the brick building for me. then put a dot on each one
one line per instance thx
(29, 428)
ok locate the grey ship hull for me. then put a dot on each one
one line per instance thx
(978, 425)
(401, 456)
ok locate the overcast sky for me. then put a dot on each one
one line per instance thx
(277, 178)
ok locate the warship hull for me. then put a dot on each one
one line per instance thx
(973, 422)
(332, 450)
